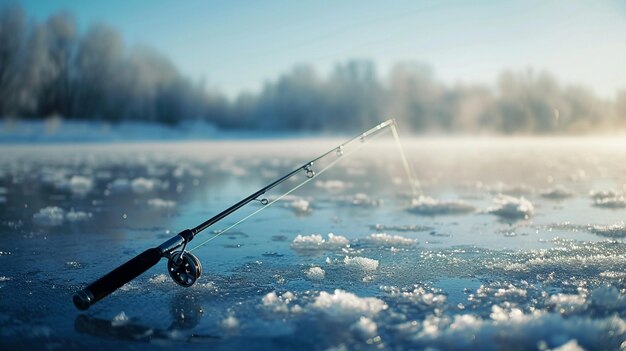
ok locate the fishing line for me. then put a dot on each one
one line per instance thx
(413, 181)
(330, 165)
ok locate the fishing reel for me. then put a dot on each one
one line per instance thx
(184, 268)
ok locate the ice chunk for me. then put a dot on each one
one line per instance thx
(512, 208)
(315, 273)
(161, 204)
(49, 216)
(77, 216)
(317, 242)
(390, 240)
(429, 206)
(363, 263)
(342, 304)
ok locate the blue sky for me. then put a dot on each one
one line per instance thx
(237, 45)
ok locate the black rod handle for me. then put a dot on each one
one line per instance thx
(116, 278)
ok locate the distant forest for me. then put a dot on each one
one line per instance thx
(51, 69)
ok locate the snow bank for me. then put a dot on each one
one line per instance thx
(342, 304)
(512, 208)
(428, 206)
(317, 242)
(363, 263)
(49, 216)
(390, 240)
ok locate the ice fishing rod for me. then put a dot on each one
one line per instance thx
(184, 267)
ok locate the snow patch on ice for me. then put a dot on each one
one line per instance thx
(416, 294)
(77, 216)
(429, 206)
(280, 303)
(120, 319)
(143, 185)
(158, 279)
(525, 331)
(341, 304)
(608, 199)
(161, 204)
(617, 230)
(332, 185)
(230, 322)
(315, 273)
(558, 192)
(80, 185)
(300, 206)
(317, 242)
(362, 200)
(365, 327)
(512, 208)
(390, 240)
(49, 216)
(362, 263)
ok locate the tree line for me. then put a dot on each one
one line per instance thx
(50, 69)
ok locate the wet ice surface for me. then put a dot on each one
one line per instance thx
(516, 244)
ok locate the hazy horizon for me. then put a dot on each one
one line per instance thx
(237, 46)
(509, 68)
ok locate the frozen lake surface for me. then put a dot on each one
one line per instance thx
(514, 244)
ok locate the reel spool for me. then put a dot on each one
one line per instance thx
(184, 268)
